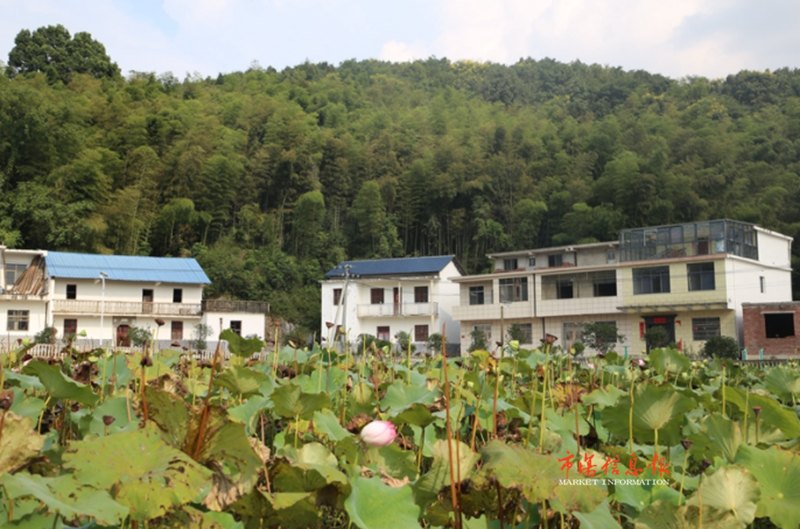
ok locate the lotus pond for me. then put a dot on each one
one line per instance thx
(528, 440)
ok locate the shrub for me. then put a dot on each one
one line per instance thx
(434, 343)
(478, 341)
(601, 336)
(656, 336)
(201, 332)
(46, 335)
(139, 336)
(515, 332)
(721, 347)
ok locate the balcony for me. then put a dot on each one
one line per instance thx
(477, 312)
(71, 306)
(235, 305)
(391, 310)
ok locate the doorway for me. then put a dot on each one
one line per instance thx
(123, 340)
(147, 301)
(397, 301)
(667, 322)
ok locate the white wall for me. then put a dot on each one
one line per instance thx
(125, 291)
(252, 324)
(774, 249)
(37, 319)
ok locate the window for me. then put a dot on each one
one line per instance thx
(420, 294)
(779, 324)
(531, 262)
(177, 329)
(420, 333)
(515, 289)
(337, 296)
(763, 284)
(13, 271)
(527, 329)
(236, 326)
(569, 329)
(604, 284)
(653, 280)
(177, 295)
(564, 290)
(384, 333)
(701, 276)
(147, 295)
(611, 256)
(476, 296)
(705, 328)
(70, 327)
(18, 320)
(555, 260)
(482, 328)
(72, 291)
(509, 264)
(376, 296)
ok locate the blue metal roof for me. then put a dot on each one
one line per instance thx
(125, 268)
(402, 266)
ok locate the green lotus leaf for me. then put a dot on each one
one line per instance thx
(58, 386)
(428, 486)
(242, 381)
(667, 515)
(248, 413)
(784, 382)
(772, 413)
(536, 475)
(603, 397)
(290, 402)
(393, 460)
(288, 510)
(668, 360)
(778, 474)
(26, 406)
(64, 496)
(400, 397)
(153, 477)
(730, 489)
(326, 423)
(241, 347)
(599, 518)
(373, 505)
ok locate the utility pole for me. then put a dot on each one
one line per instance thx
(346, 268)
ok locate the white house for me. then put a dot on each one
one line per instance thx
(382, 297)
(691, 279)
(105, 295)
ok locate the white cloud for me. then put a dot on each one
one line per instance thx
(395, 51)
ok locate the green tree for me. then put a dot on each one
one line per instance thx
(54, 52)
(307, 226)
(601, 336)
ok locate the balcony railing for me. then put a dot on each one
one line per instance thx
(70, 306)
(235, 305)
(398, 309)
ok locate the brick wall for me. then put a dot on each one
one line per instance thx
(755, 335)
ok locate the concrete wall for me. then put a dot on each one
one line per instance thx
(252, 324)
(125, 291)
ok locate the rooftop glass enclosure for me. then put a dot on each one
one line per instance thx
(687, 240)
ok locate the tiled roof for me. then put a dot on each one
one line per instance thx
(403, 266)
(125, 268)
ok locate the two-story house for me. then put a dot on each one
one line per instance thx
(105, 295)
(382, 297)
(691, 279)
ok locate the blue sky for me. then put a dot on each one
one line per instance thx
(677, 38)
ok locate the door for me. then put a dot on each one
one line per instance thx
(667, 322)
(396, 292)
(147, 301)
(123, 340)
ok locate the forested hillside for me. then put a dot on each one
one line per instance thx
(270, 178)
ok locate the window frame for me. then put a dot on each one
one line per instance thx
(475, 293)
(421, 333)
(383, 335)
(510, 264)
(787, 316)
(556, 259)
(519, 289)
(377, 296)
(13, 271)
(177, 295)
(18, 320)
(71, 291)
(700, 278)
(647, 277)
(70, 327)
(337, 297)
(236, 326)
(705, 328)
(565, 289)
(421, 294)
(176, 331)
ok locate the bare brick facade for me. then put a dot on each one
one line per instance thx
(773, 327)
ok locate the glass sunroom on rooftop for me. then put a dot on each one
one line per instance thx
(688, 240)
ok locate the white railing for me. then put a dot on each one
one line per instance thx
(398, 309)
(71, 306)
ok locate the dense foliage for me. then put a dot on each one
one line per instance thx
(276, 438)
(270, 177)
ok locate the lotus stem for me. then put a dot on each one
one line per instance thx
(475, 423)
(746, 415)
(543, 420)
(533, 410)
(683, 476)
(494, 402)
(204, 418)
(421, 449)
(454, 496)
(630, 412)
(723, 389)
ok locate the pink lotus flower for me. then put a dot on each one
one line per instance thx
(378, 433)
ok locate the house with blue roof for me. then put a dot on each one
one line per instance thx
(382, 297)
(106, 295)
